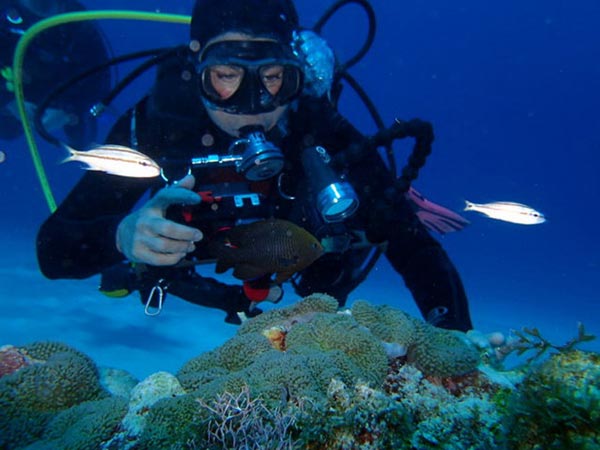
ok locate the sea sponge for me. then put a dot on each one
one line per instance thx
(31, 396)
(558, 404)
(391, 325)
(442, 353)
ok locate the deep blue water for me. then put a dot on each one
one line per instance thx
(513, 90)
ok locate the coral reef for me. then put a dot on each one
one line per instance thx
(85, 426)
(30, 397)
(434, 351)
(308, 376)
(558, 404)
(442, 353)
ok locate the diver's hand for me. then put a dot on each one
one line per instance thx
(146, 236)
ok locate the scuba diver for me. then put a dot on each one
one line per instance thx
(56, 56)
(244, 125)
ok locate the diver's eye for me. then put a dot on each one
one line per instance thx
(226, 79)
(272, 78)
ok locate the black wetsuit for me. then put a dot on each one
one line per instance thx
(78, 240)
(53, 57)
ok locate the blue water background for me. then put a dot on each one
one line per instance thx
(513, 90)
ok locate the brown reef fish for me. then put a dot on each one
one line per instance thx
(264, 247)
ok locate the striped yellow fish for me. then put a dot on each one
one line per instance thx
(115, 160)
(508, 212)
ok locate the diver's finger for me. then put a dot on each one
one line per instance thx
(187, 182)
(179, 193)
(172, 230)
(168, 246)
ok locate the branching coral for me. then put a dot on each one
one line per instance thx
(236, 420)
(530, 339)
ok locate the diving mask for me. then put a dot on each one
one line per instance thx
(248, 77)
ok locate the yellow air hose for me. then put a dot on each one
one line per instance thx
(19, 56)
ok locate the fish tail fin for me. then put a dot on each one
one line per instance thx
(72, 154)
(468, 205)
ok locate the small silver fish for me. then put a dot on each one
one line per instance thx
(115, 160)
(508, 212)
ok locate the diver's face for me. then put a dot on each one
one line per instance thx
(225, 81)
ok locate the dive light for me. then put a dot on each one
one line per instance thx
(335, 199)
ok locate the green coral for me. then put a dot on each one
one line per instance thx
(558, 404)
(300, 311)
(434, 351)
(31, 396)
(83, 427)
(441, 420)
(319, 344)
(353, 417)
(241, 350)
(388, 324)
(442, 353)
(44, 350)
(340, 332)
(172, 423)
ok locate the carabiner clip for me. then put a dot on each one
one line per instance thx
(160, 290)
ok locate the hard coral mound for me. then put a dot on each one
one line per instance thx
(313, 344)
(85, 426)
(442, 353)
(435, 351)
(61, 377)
